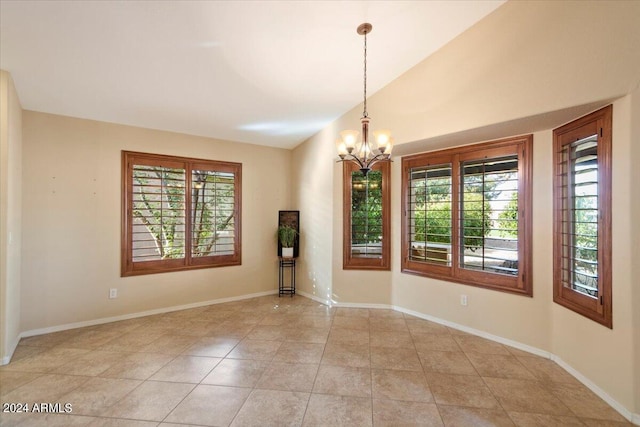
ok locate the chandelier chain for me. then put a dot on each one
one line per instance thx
(365, 114)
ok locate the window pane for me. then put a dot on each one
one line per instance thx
(430, 214)
(366, 214)
(489, 215)
(212, 213)
(580, 217)
(158, 213)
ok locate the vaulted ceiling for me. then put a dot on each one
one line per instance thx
(264, 72)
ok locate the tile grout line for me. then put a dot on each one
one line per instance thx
(413, 341)
(243, 312)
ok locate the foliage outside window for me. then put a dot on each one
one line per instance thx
(179, 213)
(582, 216)
(466, 215)
(366, 217)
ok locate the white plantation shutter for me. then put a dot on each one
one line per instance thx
(213, 213)
(158, 209)
(489, 243)
(582, 216)
(430, 214)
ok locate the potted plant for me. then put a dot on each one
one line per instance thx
(287, 236)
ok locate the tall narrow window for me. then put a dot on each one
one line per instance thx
(174, 203)
(582, 216)
(366, 217)
(467, 215)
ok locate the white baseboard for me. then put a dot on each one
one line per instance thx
(362, 305)
(100, 321)
(315, 298)
(634, 418)
(472, 331)
(12, 348)
(333, 303)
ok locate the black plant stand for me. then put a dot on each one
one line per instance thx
(287, 287)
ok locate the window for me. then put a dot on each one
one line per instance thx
(366, 217)
(582, 216)
(179, 213)
(467, 215)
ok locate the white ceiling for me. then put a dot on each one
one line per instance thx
(264, 72)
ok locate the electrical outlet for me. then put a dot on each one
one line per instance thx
(113, 293)
(463, 300)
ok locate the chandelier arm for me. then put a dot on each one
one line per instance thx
(381, 157)
(378, 158)
(354, 159)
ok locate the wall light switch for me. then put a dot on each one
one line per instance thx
(463, 300)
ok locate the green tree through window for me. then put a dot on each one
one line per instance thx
(179, 213)
(464, 214)
(366, 209)
(366, 222)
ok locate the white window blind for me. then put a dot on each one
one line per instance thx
(158, 212)
(212, 213)
(580, 216)
(489, 215)
(430, 233)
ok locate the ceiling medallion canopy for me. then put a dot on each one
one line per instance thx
(363, 153)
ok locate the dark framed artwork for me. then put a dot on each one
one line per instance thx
(292, 219)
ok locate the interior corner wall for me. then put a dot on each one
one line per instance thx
(71, 221)
(318, 194)
(312, 181)
(10, 215)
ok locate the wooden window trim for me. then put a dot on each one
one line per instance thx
(130, 268)
(598, 309)
(522, 283)
(349, 262)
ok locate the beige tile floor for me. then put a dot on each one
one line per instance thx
(273, 361)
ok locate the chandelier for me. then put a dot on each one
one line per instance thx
(363, 153)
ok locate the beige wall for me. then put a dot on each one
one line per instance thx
(526, 68)
(10, 215)
(635, 248)
(524, 59)
(311, 178)
(71, 221)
